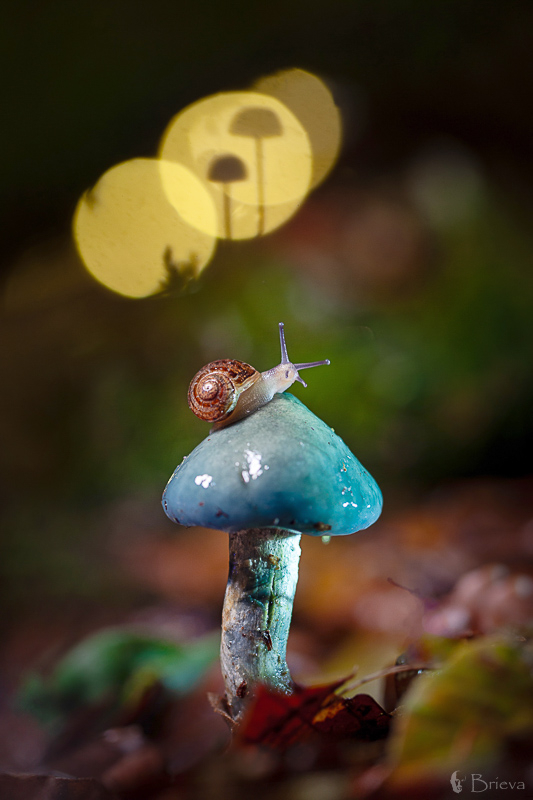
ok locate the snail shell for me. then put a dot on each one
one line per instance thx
(215, 389)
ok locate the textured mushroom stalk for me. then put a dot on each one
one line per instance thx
(263, 573)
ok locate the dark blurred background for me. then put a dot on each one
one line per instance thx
(410, 267)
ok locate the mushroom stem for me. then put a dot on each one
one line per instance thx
(263, 573)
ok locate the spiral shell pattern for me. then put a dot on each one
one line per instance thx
(215, 389)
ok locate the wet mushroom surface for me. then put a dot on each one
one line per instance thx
(282, 467)
(265, 480)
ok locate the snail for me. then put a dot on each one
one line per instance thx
(225, 391)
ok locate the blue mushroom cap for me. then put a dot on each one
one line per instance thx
(281, 467)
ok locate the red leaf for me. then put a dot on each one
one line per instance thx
(280, 720)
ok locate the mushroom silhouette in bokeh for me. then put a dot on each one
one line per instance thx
(203, 132)
(227, 169)
(311, 101)
(258, 123)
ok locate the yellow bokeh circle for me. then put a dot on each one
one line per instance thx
(132, 239)
(310, 100)
(250, 152)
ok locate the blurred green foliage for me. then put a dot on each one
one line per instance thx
(115, 667)
(429, 380)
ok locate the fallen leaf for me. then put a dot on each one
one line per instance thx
(465, 714)
(280, 721)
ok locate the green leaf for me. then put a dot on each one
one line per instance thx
(116, 666)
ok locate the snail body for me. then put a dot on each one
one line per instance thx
(226, 390)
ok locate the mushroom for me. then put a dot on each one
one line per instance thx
(258, 123)
(268, 478)
(226, 170)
